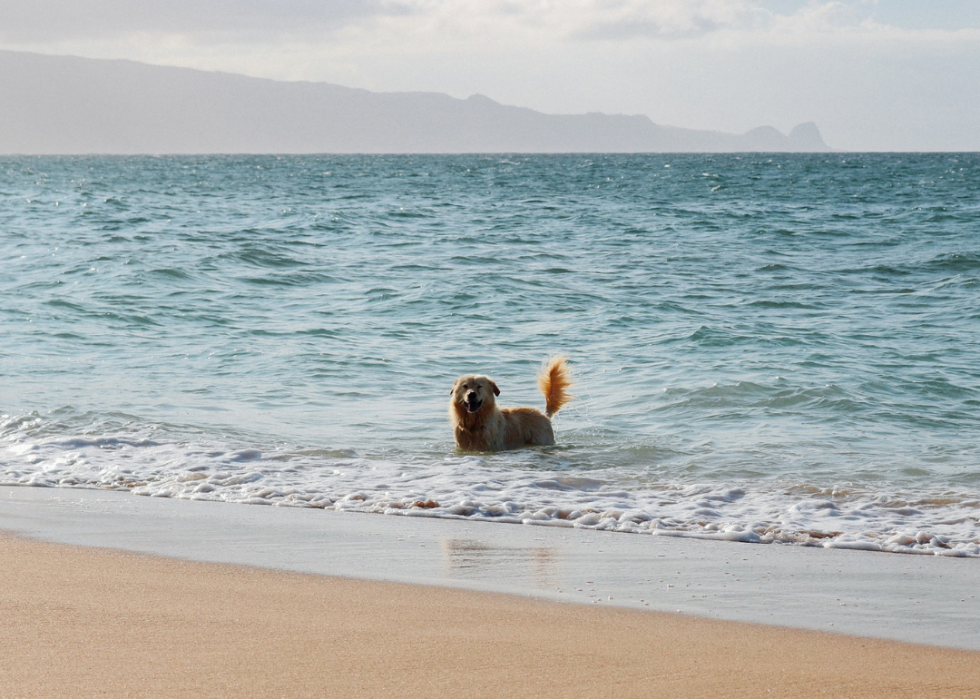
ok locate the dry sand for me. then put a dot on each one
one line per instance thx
(80, 622)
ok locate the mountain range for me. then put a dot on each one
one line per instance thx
(73, 105)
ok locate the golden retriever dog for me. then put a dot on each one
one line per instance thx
(479, 425)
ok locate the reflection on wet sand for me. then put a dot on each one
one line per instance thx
(470, 559)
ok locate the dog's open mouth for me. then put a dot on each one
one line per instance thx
(473, 406)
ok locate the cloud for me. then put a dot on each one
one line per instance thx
(428, 23)
(592, 19)
(34, 21)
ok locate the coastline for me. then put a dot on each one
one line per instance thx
(96, 622)
(915, 599)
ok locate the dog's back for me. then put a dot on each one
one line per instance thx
(525, 427)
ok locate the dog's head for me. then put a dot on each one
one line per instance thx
(472, 392)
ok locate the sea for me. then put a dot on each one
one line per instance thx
(776, 349)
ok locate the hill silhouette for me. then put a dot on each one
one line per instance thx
(72, 105)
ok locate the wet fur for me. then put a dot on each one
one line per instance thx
(489, 428)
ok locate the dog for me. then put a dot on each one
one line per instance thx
(479, 425)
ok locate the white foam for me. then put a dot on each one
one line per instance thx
(148, 461)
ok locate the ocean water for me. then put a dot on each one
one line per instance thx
(767, 348)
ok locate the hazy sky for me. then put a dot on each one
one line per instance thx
(873, 74)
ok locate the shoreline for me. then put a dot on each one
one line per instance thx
(914, 599)
(95, 622)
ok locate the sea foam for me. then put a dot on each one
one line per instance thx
(488, 488)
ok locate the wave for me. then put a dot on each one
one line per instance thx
(534, 487)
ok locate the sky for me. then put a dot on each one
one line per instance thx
(873, 74)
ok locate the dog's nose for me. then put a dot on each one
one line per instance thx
(471, 396)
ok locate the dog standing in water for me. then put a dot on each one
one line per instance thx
(479, 425)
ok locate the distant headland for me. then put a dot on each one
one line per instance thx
(71, 105)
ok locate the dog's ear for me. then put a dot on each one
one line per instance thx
(496, 391)
(452, 391)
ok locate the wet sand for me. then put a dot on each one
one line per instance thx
(95, 622)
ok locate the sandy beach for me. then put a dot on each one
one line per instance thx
(107, 594)
(94, 622)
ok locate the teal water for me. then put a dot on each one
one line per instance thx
(768, 348)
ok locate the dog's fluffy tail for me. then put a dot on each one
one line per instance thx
(554, 382)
